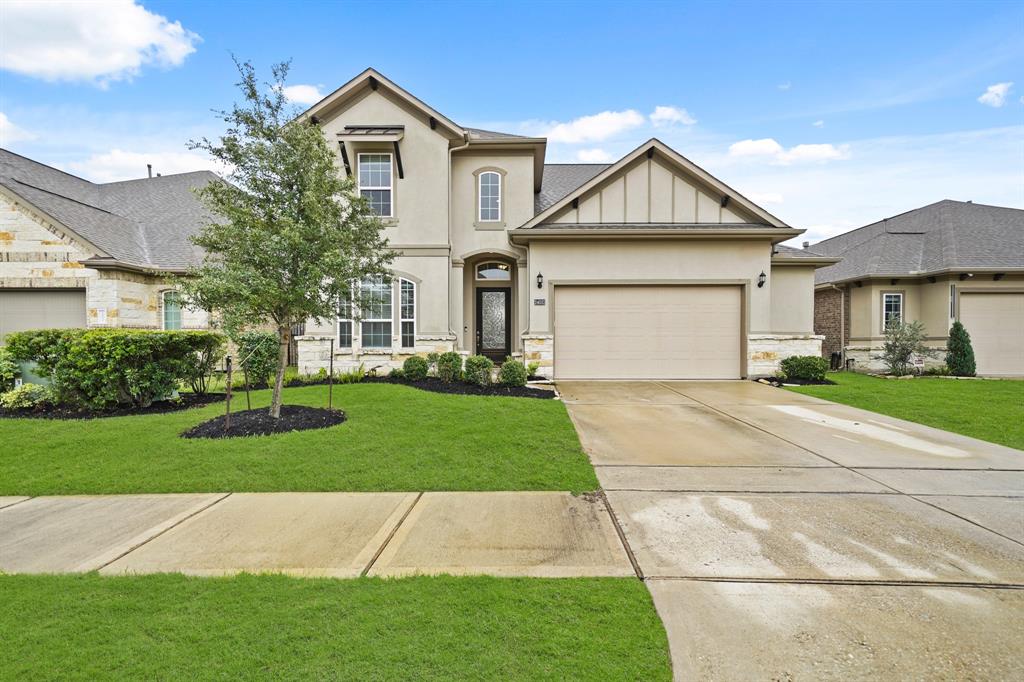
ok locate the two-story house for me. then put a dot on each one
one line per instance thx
(646, 268)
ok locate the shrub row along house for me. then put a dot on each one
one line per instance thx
(944, 262)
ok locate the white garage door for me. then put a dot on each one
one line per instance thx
(995, 322)
(647, 332)
(20, 310)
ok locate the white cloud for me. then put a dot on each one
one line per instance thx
(593, 156)
(11, 133)
(99, 42)
(818, 124)
(784, 86)
(763, 147)
(303, 94)
(765, 197)
(596, 127)
(666, 116)
(995, 95)
(121, 165)
(801, 153)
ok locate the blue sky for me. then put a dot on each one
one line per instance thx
(830, 115)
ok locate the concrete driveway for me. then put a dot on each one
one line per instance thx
(787, 537)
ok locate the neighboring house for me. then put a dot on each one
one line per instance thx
(74, 253)
(948, 261)
(646, 268)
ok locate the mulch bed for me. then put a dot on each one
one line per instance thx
(460, 388)
(183, 402)
(259, 422)
(795, 382)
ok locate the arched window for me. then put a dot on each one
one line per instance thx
(170, 305)
(494, 271)
(490, 197)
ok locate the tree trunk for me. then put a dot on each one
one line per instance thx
(284, 334)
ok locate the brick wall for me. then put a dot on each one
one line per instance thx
(827, 310)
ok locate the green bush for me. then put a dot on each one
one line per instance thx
(8, 370)
(937, 371)
(531, 369)
(44, 347)
(26, 396)
(478, 370)
(102, 368)
(397, 373)
(353, 376)
(415, 368)
(258, 355)
(512, 373)
(959, 352)
(805, 367)
(449, 367)
(209, 351)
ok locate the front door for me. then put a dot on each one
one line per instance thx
(493, 335)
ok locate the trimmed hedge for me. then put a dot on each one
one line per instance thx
(101, 368)
(478, 370)
(449, 367)
(512, 373)
(805, 367)
(415, 368)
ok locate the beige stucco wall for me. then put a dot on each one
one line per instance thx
(420, 198)
(649, 191)
(792, 299)
(724, 260)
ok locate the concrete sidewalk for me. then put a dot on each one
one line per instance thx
(549, 534)
(787, 537)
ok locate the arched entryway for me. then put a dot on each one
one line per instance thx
(490, 305)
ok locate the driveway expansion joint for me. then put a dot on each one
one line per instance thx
(391, 535)
(622, 536)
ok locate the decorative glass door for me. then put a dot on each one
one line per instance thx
(492, 323)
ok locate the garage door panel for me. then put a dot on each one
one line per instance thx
(995, 322)
(47, 309)
(647, 332)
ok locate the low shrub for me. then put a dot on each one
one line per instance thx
(531, 369)
(805, 367)
(512, 373)
(44, 347)
(26, 396)
(258, 355)
(478, 370)
(8, 370)
(449, 367)
(415, 368)
(937, 371)
(352, 376)
(397, 373)
(959, 352)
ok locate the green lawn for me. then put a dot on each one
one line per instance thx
(396, 438)
(170, 627)
(989, 410)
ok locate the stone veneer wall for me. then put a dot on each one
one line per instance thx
(766, 351)
(540, 348)
(867, 358)
(35, 254)
(314, 354)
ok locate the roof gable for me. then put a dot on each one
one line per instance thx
(659, 172)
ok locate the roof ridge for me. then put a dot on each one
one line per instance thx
(63, 196)
(156, 177)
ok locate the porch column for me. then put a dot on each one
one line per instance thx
(456, 283)
(523, 308)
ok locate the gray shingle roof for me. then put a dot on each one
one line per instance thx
(144, 222)
(947, 235)
(651, 226)
(562, 178)
(791, 252)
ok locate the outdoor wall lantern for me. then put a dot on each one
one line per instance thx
(761, 279)
(540, 281)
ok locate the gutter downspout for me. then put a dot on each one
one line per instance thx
(452, 150)
(842, 325)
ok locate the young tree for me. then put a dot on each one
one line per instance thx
(959, 352)
(290, 234)
(903, 340)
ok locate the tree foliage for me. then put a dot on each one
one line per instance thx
(904, 341)
(959, 352)
(291, 234)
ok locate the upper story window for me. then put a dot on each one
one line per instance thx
(490, 197)
(493, 271)
(892, 309)
(375, 182)
(171, 306)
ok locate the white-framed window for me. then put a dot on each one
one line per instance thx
(493, 271)
(345, 323)
(375, 306)
(489, 210)
(374, 178)
(407, 312)
(170, 306)
(892, 309)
